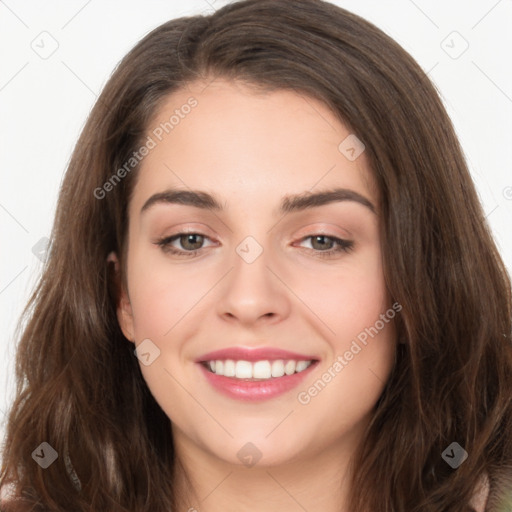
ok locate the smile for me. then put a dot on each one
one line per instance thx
(255, 374)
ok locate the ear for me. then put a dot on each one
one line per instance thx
(123, 305)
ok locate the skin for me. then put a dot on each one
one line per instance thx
(250, 149)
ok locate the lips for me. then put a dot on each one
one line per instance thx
(255, 374)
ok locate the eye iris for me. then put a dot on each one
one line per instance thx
(184, 240)
(322, 245)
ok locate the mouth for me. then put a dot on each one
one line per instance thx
(255, 374)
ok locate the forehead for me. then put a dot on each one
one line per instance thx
(230, 139)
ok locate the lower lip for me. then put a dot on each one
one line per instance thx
(241, 389)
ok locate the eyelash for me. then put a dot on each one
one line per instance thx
(343, 246)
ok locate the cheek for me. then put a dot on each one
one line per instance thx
(352, 378)
(161, 294)
(348, 297)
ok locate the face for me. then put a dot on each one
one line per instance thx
(239, 262)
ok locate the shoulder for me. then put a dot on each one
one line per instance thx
(479, 499)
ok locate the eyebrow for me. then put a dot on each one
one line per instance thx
(290, 203)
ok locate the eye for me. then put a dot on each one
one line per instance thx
(190, 242)
(322, 245)
(326, 246)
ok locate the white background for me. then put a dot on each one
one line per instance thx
(44, 103)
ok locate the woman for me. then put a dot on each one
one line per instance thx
(270, 286)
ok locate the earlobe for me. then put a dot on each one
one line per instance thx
(123, 305)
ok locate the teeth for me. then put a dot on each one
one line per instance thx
(289, 367)
(229, 368)
(301, 365)
(261, 370)
(277, 368)
(258, 370)
(243, 370)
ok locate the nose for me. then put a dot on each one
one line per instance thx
(253, 293)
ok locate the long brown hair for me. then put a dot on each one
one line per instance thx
(79, 386)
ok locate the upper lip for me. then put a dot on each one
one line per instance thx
(253, 354)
